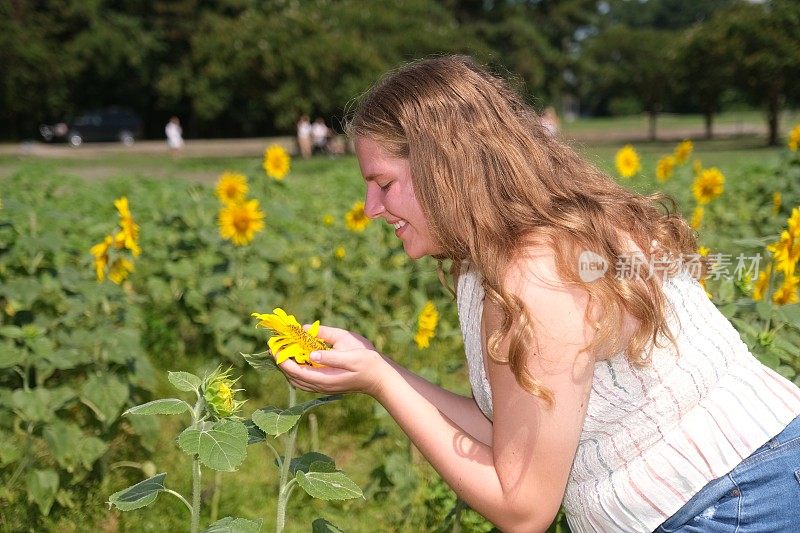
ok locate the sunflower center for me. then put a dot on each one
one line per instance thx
(241, 221)
(308, 342)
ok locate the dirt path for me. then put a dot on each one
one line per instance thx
(194, 148)
(254, 147)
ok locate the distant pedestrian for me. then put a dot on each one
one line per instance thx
(550, 120)
(304, 136)
(319, 136)
(174, 134)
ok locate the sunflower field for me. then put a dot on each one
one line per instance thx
(134, 390)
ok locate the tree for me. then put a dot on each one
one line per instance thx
(704, 71)
(635, 62)
(762, 45)
(663, 14)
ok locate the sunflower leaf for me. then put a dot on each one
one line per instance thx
(320, 525)
(184, 381)
(262, 362)
(140, 495)
(275, 421)
(328, 485)
(166, 406)
(254, 434)
(230, 524)
(221, 445)
(42, 488)
(312, 462)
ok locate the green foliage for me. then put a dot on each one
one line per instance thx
(219, 445)
(201, 291)
(234, 525)
(140, 495)
(274, 421)
(70, 349)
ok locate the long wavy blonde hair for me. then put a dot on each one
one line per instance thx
(491, 180)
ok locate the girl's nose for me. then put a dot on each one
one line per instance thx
(373, 207)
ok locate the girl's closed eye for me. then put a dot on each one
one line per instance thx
(385, 188)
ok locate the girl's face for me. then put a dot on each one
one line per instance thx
(390, 195)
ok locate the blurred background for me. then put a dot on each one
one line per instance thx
(246, 68)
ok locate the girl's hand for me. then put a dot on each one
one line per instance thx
(352, 365)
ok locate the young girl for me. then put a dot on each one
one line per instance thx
(603, 377)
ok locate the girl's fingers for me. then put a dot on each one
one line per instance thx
(337, 359)
(315, 377)
(302, 385)
(331, 335)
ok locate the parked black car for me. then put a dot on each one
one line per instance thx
(111, 124)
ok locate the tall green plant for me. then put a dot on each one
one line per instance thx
(215, 438)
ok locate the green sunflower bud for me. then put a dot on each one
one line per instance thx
(219, 394)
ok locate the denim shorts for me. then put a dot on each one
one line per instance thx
(761, 494)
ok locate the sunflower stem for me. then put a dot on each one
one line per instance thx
(196, 477)
(314, 430)
(284, 488)
(328, 289)
(216, 497)
(196, 472)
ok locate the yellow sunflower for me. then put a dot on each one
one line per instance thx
(340, 252)
(426, 325)
(356, 219)
(665, 168)
(627, 161)
(776, 202)
(760, 286)
(702, 282)
(119, 270)
(122, 207)
(231, 187)
(794, 138)
(240, 221)
(794, 222)
(697, 217)
(786, 252)
(787, 292)
(708, 185)
(289, 339)
(683, 151)
(128, 236)
(100, 253)
(276, 162)
(327, 219)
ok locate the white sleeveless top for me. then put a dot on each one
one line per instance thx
(653, 437)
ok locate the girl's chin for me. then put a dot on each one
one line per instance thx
(415, 253)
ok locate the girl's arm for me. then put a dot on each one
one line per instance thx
(460, 409)
(518, 482)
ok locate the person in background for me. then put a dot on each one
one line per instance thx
(550, 120)
(174, 134)
(304, 136)
(319, 136)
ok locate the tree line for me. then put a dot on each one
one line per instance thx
(251, 67)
